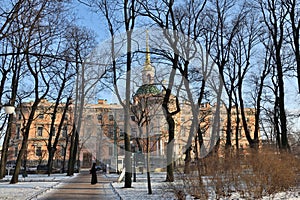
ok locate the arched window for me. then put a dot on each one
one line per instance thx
(149, 78)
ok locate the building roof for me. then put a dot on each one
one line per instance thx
(148, 89)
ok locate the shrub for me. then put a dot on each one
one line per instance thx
(253, 174)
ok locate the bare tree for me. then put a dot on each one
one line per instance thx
(259, 79)
(8, 15)
(53, 147)
(293, 29)
(123, 15)
(11, 59)
(274, 17)
(188, 18)
(36, 47)
(242, 53)
(224, 29)
(76, 44)
(89, 75)
(145, 107)
(15, 68)
(166, 19)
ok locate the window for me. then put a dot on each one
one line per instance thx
(19, 116)
(62, 151)
(122, 133)
(149, 78)
(18, 132)
(65, 131)
(133, 132)
(40, 131)
(99, 117)
(41, 116)
(110, 151)
(16, 151)
(110, 132)
(53, 132)
(182, 131)
(89, 117)
(132, 117)
(38, 151)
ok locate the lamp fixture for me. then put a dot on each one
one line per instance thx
(9, 109)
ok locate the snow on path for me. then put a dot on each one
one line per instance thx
(30, 186)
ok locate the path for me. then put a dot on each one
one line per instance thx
(80, 187)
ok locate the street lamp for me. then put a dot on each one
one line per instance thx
(134, 160)
(9, 109)
(115, 140)
(99, 138)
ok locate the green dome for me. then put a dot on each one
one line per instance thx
(148, 89)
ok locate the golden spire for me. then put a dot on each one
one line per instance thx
(148, 71)
(147, 65)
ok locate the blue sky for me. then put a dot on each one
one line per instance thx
(90, 19)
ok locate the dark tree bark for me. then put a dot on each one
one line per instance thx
(224, 30)
(78, 113)
(294, 32)
(8, 31)
(14, 87)
(27, 126)
(259, 88)
(38, 71)
(171, 124)
(53, 147)
(127, 17)
(274, 16)
(167, 20)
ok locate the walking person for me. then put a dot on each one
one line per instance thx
(93, 171)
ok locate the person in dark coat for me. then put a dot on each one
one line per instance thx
(93, 171)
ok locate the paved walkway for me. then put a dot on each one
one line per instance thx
(80, 187)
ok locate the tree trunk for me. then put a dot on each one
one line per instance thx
(237, 129)
(188, 150)
(228, 127)
(128, 163)
(148, 161)
(25, 131)
(170, 149)
(4, 150)
(282, 116)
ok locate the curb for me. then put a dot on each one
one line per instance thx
(39, 193)
(113, 188)
(34, 196)
(115, 191)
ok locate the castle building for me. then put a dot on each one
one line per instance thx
(102, 133)
(102, 129)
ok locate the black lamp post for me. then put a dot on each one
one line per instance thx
(8, 109)
(133, 157)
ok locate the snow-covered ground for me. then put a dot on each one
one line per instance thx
(163, 190)
(30, 186)
(139, 188)
(34, 185)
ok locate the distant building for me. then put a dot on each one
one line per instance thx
(39, 134)
(102, 129)
(102, 134)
